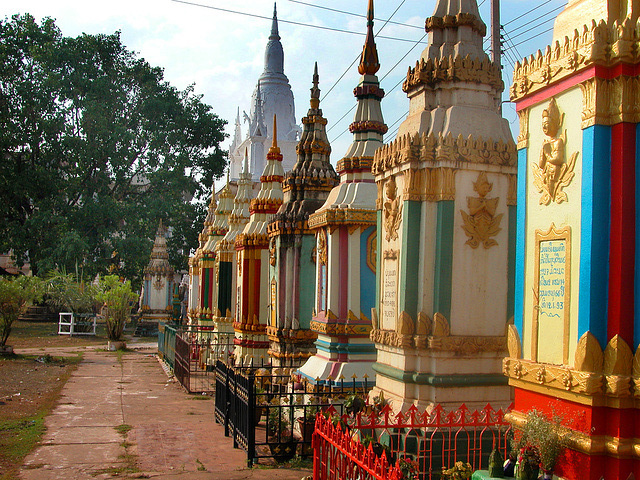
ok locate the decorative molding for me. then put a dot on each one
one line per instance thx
(589, 356)
(618, 366)
(595, 44)
(610, 101)
(272, 252)
(586, 443)
(440, 325)
(436, 149)
(341, 329)
(453, 69)
(481, 223)
(290, 335)
(342, 216)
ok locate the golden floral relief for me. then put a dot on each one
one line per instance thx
(553, 172)
(481, 223)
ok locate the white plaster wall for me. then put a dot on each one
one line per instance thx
(479, 275)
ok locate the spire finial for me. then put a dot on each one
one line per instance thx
(369, 63)
(315, 91)
(246, 160)
(274, 150)
(274, 22)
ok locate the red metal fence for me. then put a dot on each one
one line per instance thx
(418, 442)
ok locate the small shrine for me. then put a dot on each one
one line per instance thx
(292, 253)
(226, 253)
(194, 309)
(252, 276)
(210, 263)
(345, 251)
(573, 348)
(446, 216)
(159, 278)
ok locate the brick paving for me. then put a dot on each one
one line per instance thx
(173, 435)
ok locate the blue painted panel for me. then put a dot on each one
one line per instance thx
(594, 236)
(521, 242)
(367, 276)
(636, 322)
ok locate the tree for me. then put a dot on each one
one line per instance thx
(96, 147)
(15, 296)
(118, 298)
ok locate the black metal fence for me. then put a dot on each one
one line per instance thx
(191, 352)
(270, 413)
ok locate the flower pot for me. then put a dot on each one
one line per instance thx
(283, 451)
(6, 349)
(306, 428)
(114, 345)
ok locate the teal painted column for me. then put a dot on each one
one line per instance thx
(511, 259)
(410, 259)
(378, 257)
(444, 258)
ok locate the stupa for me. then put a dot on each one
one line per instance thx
(226, 253)
(252, 246)
(157, 295)
(193, 309)
(272, 96)
(573, 348)
(345, 228)
(446, 208)
(292, 255)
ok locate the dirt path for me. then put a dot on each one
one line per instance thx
(120, 416)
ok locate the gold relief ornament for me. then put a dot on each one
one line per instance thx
(158, 284)
(322, 248)
(481, 223)
(272, 252)
(553, 172)
(392, 210)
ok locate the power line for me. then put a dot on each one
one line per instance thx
(529, 11)
(356, 59)
(226, 10)
(354, 14)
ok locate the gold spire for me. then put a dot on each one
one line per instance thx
(369, 63)
(274, 144)
(315, 91)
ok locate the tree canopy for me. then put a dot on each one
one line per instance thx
(96, 147)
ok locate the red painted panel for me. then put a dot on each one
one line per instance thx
(622, 232)
(343, 240)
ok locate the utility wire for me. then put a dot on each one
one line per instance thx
(185, 2)
(529, 11)
(354, 14)
(356, 59)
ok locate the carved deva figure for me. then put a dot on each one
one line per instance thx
(392, 210)
(553, 173)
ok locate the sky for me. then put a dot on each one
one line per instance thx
(219, 46)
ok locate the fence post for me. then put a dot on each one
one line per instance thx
(227, 404)
(251, 431)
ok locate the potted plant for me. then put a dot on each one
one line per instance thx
(282, 443)
(15, 296)
(460, 471)
(543, 443)
(408, 468)
(354, 404)
(307, 422)
(118, 298)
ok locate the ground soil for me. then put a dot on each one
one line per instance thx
(29, 387)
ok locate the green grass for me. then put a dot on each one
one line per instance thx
(17, 438)
(123, 429)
